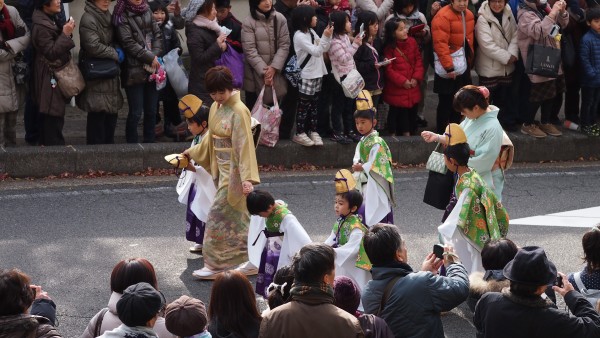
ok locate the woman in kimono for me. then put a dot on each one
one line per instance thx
(275, 236)
(228, 153)
(478, 215)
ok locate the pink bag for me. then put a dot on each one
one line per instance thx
(269, 118)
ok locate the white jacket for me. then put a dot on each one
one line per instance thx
(303, 45)
(495, 44)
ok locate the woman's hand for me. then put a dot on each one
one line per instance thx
(429, 136)
(414, 82)
(328, 32)
(358, 39)
(190, 167)
(247, 187)
(221, 42)
(407, 84)
(512, 59)
(269, 74)
(432, 264)
(39, 293)
(449, 256)
(69, 27)
(357, 167)
(566, 288)
(155, 63)
(435, 7)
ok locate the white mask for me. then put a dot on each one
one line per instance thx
(543, 2)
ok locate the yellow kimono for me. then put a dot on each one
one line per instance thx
(228, 153)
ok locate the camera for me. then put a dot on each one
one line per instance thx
(555, 30)
(438, 251)
(559, 282)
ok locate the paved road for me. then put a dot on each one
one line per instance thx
(68, 234)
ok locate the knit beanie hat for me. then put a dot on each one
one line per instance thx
(346, 294)
(140, 303)
(190, 12)
(186, 317)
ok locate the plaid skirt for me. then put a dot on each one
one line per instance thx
(310, 86)
(491, 82)
(546, 90)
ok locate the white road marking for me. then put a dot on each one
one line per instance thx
(581, 218)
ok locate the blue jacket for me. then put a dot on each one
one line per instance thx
(416, 300)
(590, 59)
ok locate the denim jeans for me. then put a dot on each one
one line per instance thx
(141, 98)
(590, 100)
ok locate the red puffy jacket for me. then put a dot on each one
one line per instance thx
(404, 67)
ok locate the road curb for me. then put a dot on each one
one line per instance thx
(131, 158)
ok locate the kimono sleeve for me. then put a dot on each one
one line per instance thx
(294, 238)
(243, 145)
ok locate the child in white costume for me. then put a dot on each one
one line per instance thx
(346, 237)
(274, 237)
(195, 187)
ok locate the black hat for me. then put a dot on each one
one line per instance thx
(222, 3)
(157, 4)
(531, 266)
(140, 303)
(40, 3)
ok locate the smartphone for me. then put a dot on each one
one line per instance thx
(386, 62)
(438, 251)
(361, 30)
(559, 282)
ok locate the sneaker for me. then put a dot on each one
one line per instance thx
(197, 248)
(302, 139)
(550, 129)
(354, 136)
(591, 131)
(316, 138)
(340, 138)
(421, 122)
(532, 130)
(247, 269)
(206, 273)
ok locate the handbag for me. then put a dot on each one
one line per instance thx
(269, 118)
(20, 69)
(438, 189)
(176, 73)
(68, 77)
(436, 161)
(233, 60)
(292, 71)
(543, 61)
(98, 68)
(459, 59)
(352, 83)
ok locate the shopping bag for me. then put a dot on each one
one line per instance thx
(439, 189)
(176, 73)
(269, 118)
(233, 60)
(543, 61)
(436, 161)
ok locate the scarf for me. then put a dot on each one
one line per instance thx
(7, 28)
(123, 5)
(202, 21)
(313, 294)
(128, 331)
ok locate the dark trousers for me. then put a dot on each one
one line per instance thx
(251, 98)
(8, 127)
(141, 98)
(572, 97)
(288, 107)
(51, 130)
(170, 107)
(100, 128)
(342, 111)
(500, 96)
(549, 110)
(590, 101)
(402, 120)
(31, 114)
(306, 115)
(445, 112)
(520, 91)
(324, 105)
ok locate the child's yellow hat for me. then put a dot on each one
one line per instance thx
(344, 181)
(455, 133)
(364, 101)
(189, 105)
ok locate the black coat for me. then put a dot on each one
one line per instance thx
(170, 38)
(235, 37)
(365, 59)
(204, 51)
(506, 315)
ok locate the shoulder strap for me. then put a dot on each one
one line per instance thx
(98, 326)
(405, 58)
(275, 30)
(578, 281)
(386, 293)
(312, 40)
(464, 24)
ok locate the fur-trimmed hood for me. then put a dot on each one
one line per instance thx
(478, 285)
(28, 326)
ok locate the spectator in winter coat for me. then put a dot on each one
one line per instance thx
(380, 7)
(535, 25)
(14, 39)
(226, 19)
(52, 42)
(131, 19)
(369, 54)
(497, 53)
(416, 299)
(17, 296)
(448, 34)
(513, 312)
(590, 274)
(101, 98)
(266, 41)
(205, 43)
(590, 82)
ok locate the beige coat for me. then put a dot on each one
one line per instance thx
(9, 101)
(111, 321)
(260, 51)
(496, 44)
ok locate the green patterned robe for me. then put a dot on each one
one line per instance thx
(381, 170)
(348, 224)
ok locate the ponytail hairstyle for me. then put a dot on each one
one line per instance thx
(278, 292)
(470, 96)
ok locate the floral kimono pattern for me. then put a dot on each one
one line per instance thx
(342, 229)
(381, 170)
(272, 250)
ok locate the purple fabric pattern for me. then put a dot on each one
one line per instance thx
(268, 265)
(388, 219)
(194, 230)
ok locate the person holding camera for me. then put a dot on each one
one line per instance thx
(510, 313)
(17, 296)
(540, 25)
(411, 302)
